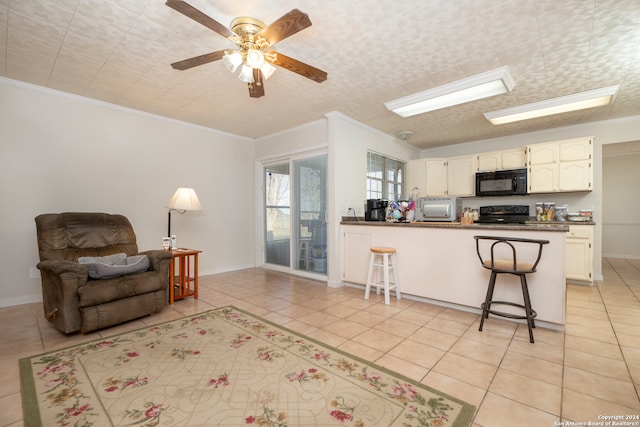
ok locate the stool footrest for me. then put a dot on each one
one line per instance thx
(508, 315)
(382, 263)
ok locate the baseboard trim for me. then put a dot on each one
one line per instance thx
(29, 299)
(623, 256)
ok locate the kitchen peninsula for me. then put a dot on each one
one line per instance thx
(438, 263)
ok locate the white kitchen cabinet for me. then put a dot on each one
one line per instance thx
(449, 177)
(541, 154)
(575, 176)
(560, 166)
(579, 253)
(543, 178)
(461, 174)
(489, 161)
(356, 254)
(508, 159)
(575, 149)
(436, 177)
(514, 159)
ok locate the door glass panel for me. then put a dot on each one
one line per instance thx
(310, 205)
(277, 214)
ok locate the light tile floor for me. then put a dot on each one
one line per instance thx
(590, 370)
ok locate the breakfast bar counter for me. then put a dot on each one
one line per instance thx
(438, 263)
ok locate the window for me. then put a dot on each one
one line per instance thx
(385, 177)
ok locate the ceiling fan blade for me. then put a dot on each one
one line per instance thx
(285, 26)
(189, 11)
(256, 89)
(185, 64)
(305, 70)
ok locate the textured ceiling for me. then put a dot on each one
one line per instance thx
(374, 51)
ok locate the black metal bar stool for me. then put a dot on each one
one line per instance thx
(508, 264)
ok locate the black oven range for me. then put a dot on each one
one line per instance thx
(504, 214)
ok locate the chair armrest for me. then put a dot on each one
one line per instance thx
(158, 258)
(58, 267)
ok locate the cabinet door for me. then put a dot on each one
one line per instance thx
(575, 176)
(461, 174)
(514, 159)
(436, 177)
(543, 178)
(540, 154)
(356, 256)
(417, 175)
(579, 253)
(489, 162)
(576, 149)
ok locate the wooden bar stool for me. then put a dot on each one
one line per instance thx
(382, 261)
(509, 264)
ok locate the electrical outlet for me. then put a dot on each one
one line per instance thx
(34, 273)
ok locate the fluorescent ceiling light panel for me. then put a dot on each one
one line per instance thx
(563, 104)
(484, 85)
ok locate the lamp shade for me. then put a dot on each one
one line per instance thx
(246, 74)
(267, 69)
(184, 199)
(232, 60)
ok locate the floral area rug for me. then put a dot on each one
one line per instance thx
(224, 367)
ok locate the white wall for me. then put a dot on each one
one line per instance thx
(621, 206)
(308, 137)
(60, 152)
(349, 142)
(605, 132)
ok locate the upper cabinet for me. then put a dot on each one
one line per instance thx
(543, 154)
(508, 159)
(436, 177)
(443, 177)
(561, 166)
(461, 176)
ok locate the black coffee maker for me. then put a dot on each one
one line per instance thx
(376, 210)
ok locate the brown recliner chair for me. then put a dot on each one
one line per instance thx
(74, 301)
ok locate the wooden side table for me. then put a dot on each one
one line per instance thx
(180, 284)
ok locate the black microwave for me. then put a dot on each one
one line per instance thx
(501, 183)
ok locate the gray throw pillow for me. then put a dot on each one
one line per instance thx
(114, 265)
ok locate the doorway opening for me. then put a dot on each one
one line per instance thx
(295, 215)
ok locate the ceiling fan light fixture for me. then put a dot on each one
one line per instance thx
(246, 74)
(484, 85)
(267, 69)
(564, 104)
(254, 58)
(232, 60)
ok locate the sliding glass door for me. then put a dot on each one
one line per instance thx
(310, 210)
(277, 215)
(295, 214)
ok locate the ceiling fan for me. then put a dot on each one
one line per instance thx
(254, 40)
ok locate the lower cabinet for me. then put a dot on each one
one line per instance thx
(356, 256)
(579, 253)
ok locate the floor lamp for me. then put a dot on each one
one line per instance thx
(184, 199)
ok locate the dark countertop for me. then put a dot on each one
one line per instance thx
(562, 226)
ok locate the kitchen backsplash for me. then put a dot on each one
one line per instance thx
(574, 201)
